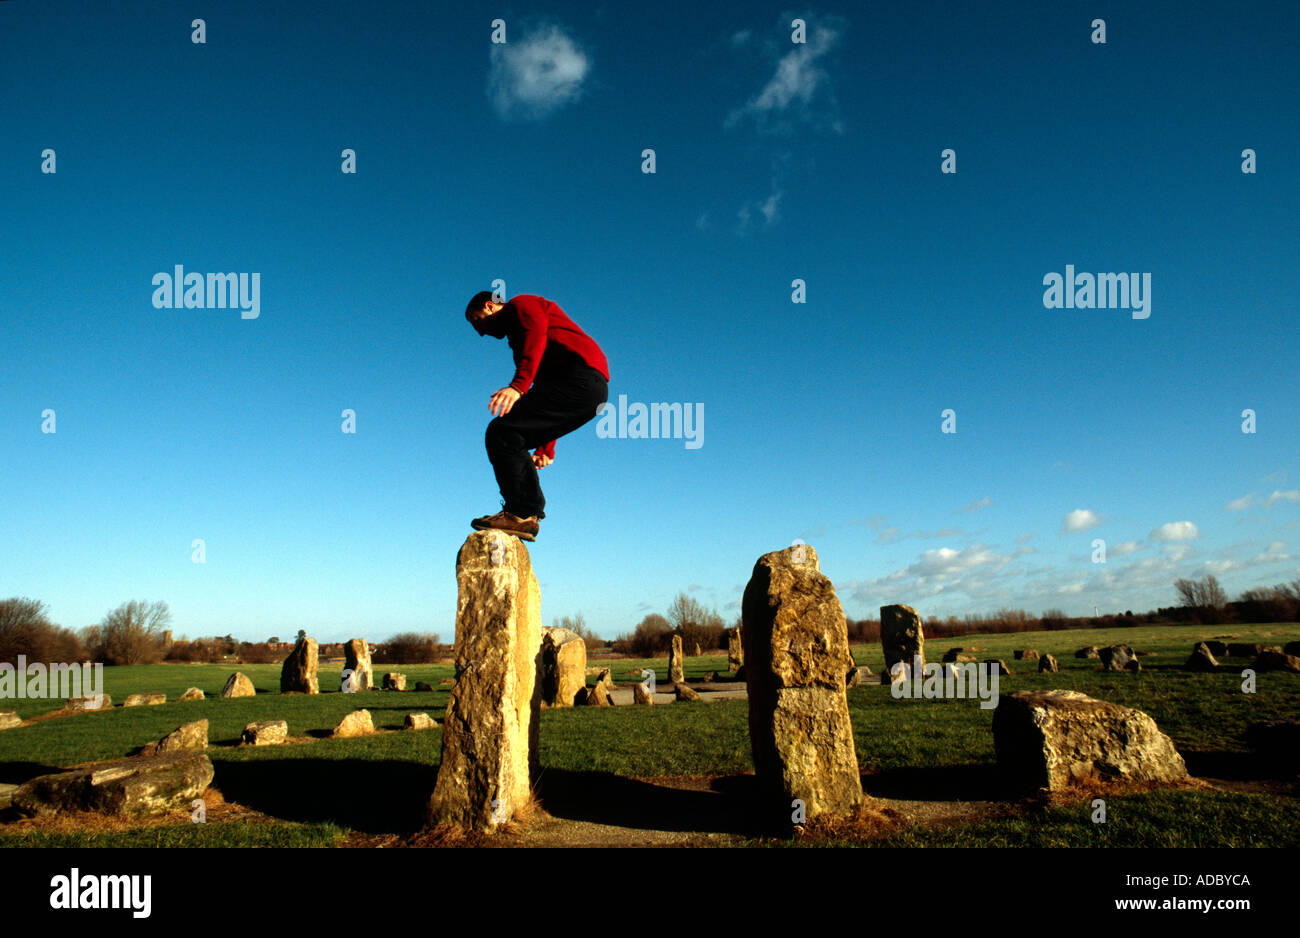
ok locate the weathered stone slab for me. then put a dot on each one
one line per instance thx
(419, 721)
(192, 693)
(90, 702)
(489, 734)
(1271, 660)
(1047, 665)
(9, 719)
(796, 662)
(238, 685)
(1058, 739)
(1025, 654)
(641, 695)
(901, 636)
(1118, 658)
(684, 692)
(135, 787)
(144, 700)
(394, 681)
(1201, 659)
(356, 723)
(192, 737)
(265, 733)
(598, 695)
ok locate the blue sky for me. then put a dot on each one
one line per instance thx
(523, 161)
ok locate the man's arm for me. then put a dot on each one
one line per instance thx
(532, 316)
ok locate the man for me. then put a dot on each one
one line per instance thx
(561, 380)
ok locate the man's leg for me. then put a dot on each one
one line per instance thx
(545, 413)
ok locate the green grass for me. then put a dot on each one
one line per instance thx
(909, 749)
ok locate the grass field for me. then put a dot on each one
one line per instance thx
(319, 793)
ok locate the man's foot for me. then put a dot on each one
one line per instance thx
(523, 528)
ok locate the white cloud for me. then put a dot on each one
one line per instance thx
(979, 505)
(1239, 504)
(1176, 531)
(1291, 495)
(1119, 550)
(1081, 519)
(531, 77)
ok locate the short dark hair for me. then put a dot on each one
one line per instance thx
(480, 299)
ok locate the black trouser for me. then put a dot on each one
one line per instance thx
(556, 405)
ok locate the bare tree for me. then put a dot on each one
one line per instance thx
(131, 633)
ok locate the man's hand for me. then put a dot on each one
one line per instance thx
(502, 401)
(541, 461)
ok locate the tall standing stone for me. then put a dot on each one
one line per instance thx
(489, 734)
(356, 660)
(901, 636)
(298, 673)
(796, 660)
(675, 660)
(562, 666)
(735, 650)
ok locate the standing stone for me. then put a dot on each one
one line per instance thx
(604, 677)
(238, 685)
(957, 656)
(675, 660)
(1025, 654)
(298, 673)
(698, 650)
(1201, 659)
(901, 635)
(1092, 651)
(1047, 664)
(419, 721)
(1057, 739)
(797, 659)
(489, 733)
(9, 719)
(192, 693)
(394, 681)
(356, 659)
(90, 702)
(423, 687)
(735, 651)
(1220, 649)
(641, 695)
(995, 666)
(562, 667)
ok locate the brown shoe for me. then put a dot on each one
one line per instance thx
(523, 528)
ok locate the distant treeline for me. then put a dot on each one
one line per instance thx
(139, 633)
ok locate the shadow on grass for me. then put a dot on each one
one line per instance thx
(15, 773)
(729, 807)
(368, 796)
(940, 783)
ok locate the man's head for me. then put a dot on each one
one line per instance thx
(482, 309)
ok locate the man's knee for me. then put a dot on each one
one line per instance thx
(501, 438)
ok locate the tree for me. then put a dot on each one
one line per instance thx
(695, 624)
(131, 633)
(1205, 597)
(578, 626)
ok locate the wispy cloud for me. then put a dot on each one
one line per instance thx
(979, 505)
(532, 77)
(800, 89)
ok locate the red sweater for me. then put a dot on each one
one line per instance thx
(544, 323)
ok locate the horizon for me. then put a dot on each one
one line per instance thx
(1098, 304)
